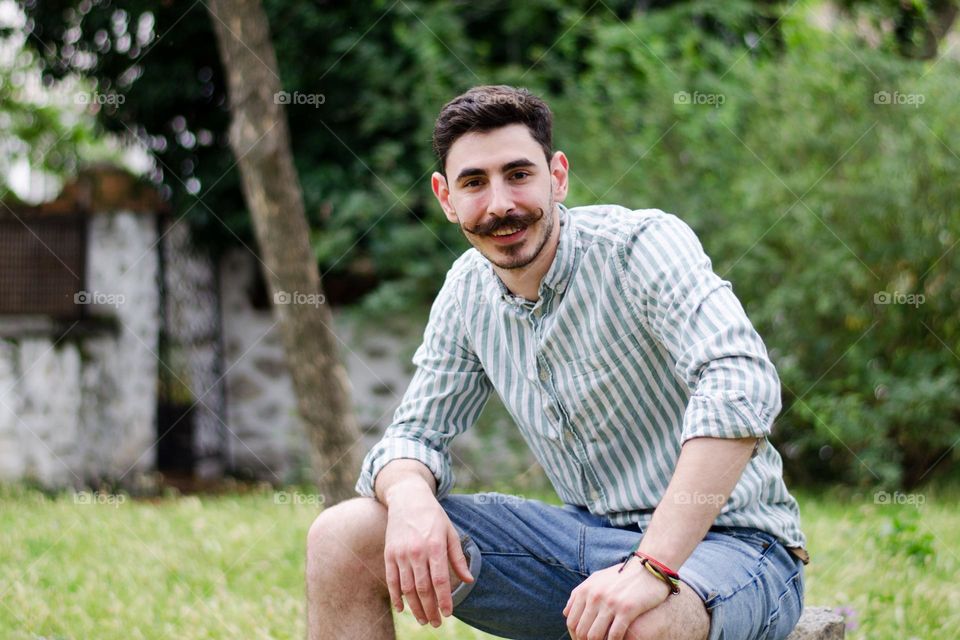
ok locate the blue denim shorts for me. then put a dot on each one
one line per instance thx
(527, 556)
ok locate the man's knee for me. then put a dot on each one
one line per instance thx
(348, 538)
(681, 617)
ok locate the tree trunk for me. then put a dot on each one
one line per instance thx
(260, 139)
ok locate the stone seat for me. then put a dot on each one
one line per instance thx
(819, 623)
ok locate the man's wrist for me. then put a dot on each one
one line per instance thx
(400, 472)
(404, 487)
(653, 583)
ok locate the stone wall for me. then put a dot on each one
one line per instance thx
(266, 439)
(78, 400)
(191, 344)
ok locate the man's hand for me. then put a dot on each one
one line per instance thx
(607, 603)
(421, 546)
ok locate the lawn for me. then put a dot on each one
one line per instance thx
(104, 567)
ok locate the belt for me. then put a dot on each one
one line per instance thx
(800, 553)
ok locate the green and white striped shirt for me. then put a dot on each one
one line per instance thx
(634, 346)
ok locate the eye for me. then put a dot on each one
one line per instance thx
(472, 183)
(520, 175)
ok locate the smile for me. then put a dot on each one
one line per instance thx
(506, 231)
(508, 235)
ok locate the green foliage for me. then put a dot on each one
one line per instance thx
(819, 171)
(832, 212)
(42, 128)
(904, 536)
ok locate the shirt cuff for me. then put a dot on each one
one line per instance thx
(728, 414)
(390, 449)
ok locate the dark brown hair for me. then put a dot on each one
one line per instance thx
(489, 107)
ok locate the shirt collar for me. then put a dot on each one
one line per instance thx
(564, 262)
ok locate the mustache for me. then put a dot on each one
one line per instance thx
(522, 220)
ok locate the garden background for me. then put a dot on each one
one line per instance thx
(813, 146)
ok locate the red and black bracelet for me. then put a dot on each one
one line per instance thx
(655, 567)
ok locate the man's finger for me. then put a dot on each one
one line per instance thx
(574, 617)
(618, 630)
(600, 625)
(457, 559)
(409, 589)
(440, 577)
(424, 588)
(393, 585)
(589, 614)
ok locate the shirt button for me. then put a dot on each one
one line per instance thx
(544, 374)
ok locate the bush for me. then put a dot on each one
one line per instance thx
(822, 180)
(819, 172)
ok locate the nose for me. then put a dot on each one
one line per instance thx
(501, 201)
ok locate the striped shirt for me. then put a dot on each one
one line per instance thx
(634, 346)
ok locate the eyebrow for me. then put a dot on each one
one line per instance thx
(510, 166)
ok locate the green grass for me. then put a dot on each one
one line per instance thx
(232, 567)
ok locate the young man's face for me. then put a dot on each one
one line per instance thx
(500, 190)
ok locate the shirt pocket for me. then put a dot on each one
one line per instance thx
(602, 355)
(599, 389)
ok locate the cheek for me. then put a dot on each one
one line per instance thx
(533, 197)
(469, 209)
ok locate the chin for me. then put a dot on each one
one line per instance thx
(511, 261)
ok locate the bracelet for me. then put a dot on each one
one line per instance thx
(673, 583)
(658, 569)
(659, 565)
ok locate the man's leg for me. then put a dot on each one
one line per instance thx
(680, 617)
(534, 554)
(751, 586)
(347, 593)
(530, 562)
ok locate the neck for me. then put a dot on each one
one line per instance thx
(525, 281)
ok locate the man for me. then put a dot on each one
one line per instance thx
(638, 382)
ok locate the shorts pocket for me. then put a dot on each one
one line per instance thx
(756, 538)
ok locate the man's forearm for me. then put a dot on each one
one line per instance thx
(707, 471)
(398, 473)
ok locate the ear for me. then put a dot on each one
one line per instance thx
(559, 174)
(442, 192)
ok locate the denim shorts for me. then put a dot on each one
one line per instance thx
(527, 556)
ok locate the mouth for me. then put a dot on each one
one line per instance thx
(507, 235)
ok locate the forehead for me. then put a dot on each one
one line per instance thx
(491, 149)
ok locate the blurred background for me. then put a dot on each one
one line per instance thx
(813, 146)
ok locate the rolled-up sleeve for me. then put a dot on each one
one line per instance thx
(446, 395)
(734, 387)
